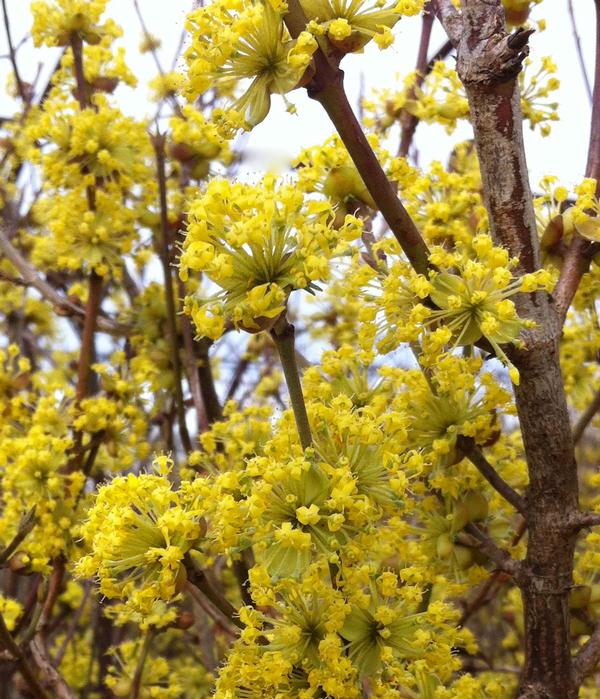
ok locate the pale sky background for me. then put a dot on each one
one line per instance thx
(274, 142)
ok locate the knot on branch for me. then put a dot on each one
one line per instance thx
(488, 59)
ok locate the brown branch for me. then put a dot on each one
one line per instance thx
(212, 405)
(326, 87)
(575, 264)
(199, 580)
(578, 49)
(449, 18)
(476, 457)
(503, 560)
(588, 656)
(38, 647)
(158, 141)
(489, 61)
(49, 293)
(585, 520)
(581, 251)
(586, 417)
(12, 54)
(14, 649)
(410, 121)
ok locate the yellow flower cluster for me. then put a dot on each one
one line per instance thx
(55, 22)
(239, 41)
(257, 243)
(441, 98)
(350, 25)
(139, 530)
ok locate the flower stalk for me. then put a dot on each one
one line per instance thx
(283, 335)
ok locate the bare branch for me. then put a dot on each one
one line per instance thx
(503, 560)
(586, 417)
(588, 656)
(489, 61)
(575, 264)
(15, 650)
(410, 121)
(577, 40)
(62, 303)
(585, 520)
(327, 88)
(13, 55)
(581, 251)
(476, 457)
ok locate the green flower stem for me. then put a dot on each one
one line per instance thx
(283, 335)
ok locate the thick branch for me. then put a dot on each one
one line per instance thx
(489, 61)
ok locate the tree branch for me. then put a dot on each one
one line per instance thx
(158, 141)
(15, 650)
(489, 61)
(410, 121)
(503, 560)
(476, 457)
(588, 656)
(49, 293)
(581, 251)
(12, 54)
(586, 417)
(449, 18)
(577, 40)
(326, 87)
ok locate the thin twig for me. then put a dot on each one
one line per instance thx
(503, 560)
(49, 293)
(586, 417)
(12, 54)
(9, 643)
(158, 141)
(476, 457)
(283, 336)
(410, 121)
(577, 40)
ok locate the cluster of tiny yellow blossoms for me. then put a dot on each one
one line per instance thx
(237, 42)
(350, 25)
(139, 530)
(441, 98)
(169, 528)
(257, 243)
(471, 300)
(54, 22)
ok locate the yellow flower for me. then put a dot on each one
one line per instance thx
(248, 43)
